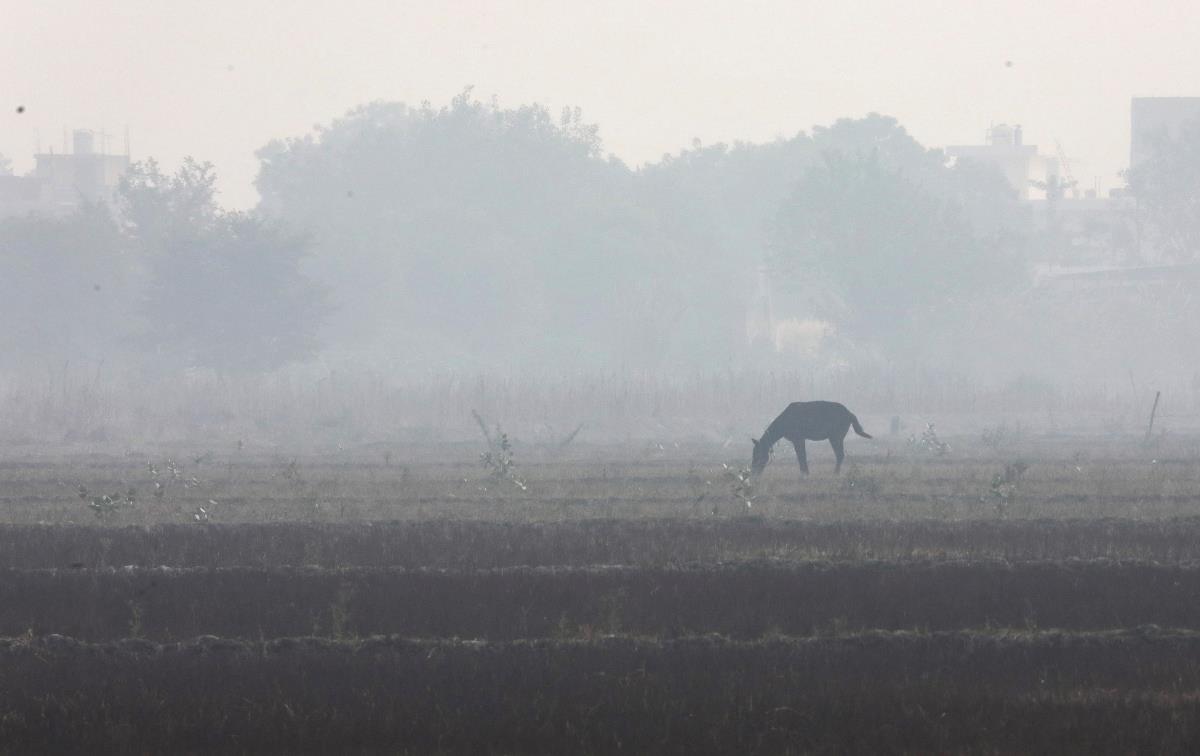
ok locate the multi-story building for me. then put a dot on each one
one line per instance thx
(62, 182)
(1005, 149)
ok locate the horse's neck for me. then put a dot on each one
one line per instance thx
(772, 434)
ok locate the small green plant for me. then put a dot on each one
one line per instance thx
(929, 441)
(103, 505)
(741, 486)
(1004, 488)
(500, 463)
(201, 514)
(168, 475)
(499, 457)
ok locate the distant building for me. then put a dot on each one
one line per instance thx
(1006, 150)
(1152, 118)
(62, 182)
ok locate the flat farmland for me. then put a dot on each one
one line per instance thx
(1042, 594)
(1053, 478)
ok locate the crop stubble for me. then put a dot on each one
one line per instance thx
(625, 602)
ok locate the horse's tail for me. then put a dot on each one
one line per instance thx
(858, 428)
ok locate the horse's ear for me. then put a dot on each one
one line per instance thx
(754, 441)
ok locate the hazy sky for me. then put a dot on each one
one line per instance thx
(218, 79)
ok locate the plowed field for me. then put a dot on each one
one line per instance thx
(404, 600)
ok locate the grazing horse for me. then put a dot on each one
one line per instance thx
(807, 421)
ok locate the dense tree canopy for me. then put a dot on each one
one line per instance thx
(469, 232)
(67, 290)
(225, 289)
(842, 208)
(712, 205)
(888, 243)
(476, 236)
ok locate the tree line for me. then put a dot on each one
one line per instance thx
(475, 236)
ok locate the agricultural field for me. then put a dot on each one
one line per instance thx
(993, 592)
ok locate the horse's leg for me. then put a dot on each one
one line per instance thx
(801, 456)
(838, 451)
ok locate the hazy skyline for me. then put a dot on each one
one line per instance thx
(218, 80)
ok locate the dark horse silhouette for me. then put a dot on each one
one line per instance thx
(807, 421)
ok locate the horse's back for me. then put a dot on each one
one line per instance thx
(818, 420)
(819, 409)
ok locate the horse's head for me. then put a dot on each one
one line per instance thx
(762, 453)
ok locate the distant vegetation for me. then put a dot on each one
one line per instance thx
(169, 281)
(435, 225)
(472, 237)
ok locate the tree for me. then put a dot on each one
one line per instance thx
(225, 289)
(1167, 188)
(67, 290)
(711, 206)
(471, 235)
(719, 207)
(158, 210)
(888, 260)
